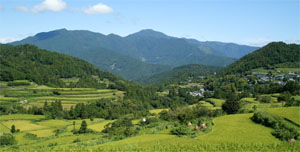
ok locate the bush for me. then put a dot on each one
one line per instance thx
(56, 92)
(231, 106)
(7, 139)
(285, 134)
(30, 136)
(18, 84)
(283, 130)
(120, 127)
(264, 99)
(76, 140)
(266, 119)
(183, 131)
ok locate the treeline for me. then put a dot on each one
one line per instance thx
(45, 67)
(180, 74)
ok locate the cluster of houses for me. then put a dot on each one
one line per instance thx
(278, 78)
(199, 93)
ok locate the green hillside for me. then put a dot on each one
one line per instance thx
(182, 73)
(45, 67)
(275, 54)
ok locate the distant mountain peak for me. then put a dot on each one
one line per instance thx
(149, 33)
(50, 34)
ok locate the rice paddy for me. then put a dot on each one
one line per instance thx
(34, 95)
(156, 111)
(290, 113)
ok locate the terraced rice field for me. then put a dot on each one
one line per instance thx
(238, 128)
(38, 95)
(250, 100)
(218, 102)
(99, 126)
(156, 111)
(290, 113)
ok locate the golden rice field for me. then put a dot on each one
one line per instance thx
(291, 113)
(157, 111)
(218, 102)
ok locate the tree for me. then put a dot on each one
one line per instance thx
(83, 127)
(292, 87)
(231, 106)
(13, 129)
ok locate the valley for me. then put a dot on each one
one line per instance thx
(150, 76)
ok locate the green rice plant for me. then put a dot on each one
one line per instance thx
(290, 113)
(21, 117)
(23, 125)
(157, 111)
(215, 102)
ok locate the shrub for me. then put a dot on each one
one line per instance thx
(283, 130)
(182, 131)
(264, 99)
(7, 139)
(30, 136)
(18, 84)
(266, 119)
(285, 134)
(76, 140)
(231, 106)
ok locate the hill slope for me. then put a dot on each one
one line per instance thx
(272, 55)
(181, 73)
(44, 67)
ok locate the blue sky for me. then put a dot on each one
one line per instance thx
(251, 22)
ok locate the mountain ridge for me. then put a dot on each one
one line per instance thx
(140, 54)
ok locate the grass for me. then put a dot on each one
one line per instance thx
(290, 113)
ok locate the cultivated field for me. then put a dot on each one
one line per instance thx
(34, 95)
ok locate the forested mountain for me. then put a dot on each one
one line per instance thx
(45, 67)
(138, 55)
(275, 54)
(96, 49)
(224, 49)
(180, 74)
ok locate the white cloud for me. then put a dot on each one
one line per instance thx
(46, 5)
(7, 40)
(98, 9)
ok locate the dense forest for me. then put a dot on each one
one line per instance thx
(180, 74)
(272, 55)
(44, 67)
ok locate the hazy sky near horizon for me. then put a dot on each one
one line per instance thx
(251, 22)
